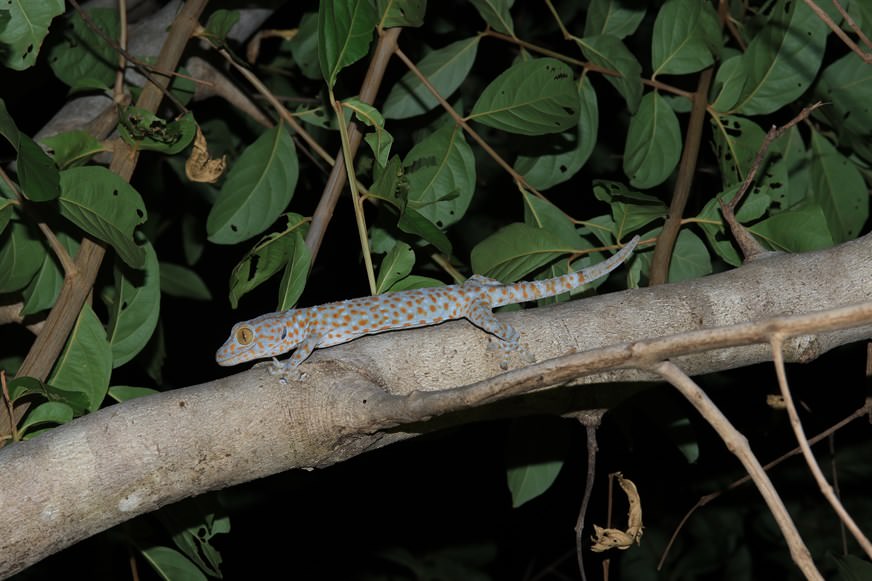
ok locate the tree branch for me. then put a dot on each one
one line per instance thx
(135, 457)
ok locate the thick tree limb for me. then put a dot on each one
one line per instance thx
(132, 458)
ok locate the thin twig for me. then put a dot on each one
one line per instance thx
(852, 24)
(738, 445)
(778, 359)
(591, 420)
(749, 245)
(141, 68)
(706, 499)
(866, 57)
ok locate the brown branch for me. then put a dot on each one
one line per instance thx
(864, 56)
(817, 473)
(706, 499)
(77, 285)
(738, 445)
(386, 46)
(686, 170)
(591, 420)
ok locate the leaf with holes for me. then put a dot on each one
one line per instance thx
(838, 187)
(573, 147)
(106, 207)
(83, 59)
(440, 173)
(25, 30)
(534, 97)
(134, 308)
(258, 189)
(783, 59)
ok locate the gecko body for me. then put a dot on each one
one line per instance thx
(330, 324)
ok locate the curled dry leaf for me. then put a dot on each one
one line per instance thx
(200, 167)
(605, 539)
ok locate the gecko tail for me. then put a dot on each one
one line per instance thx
(539, 289)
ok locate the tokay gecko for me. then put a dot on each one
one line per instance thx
(339, 322)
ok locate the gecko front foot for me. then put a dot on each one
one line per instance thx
(285, 371)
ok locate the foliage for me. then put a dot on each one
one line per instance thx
(507, 150)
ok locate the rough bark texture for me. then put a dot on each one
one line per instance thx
(132, 458)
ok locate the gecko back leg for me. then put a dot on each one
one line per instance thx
(481, 316)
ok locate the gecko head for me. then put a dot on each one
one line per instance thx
(265, 336)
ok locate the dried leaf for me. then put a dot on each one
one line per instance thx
(605, 539)
(200, 167)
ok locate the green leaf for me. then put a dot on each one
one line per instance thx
(380, 140)
(496, 14)
(536, 448)
(45, 286)
(783, 59)
(406, 13)
(83, 59)
(146, 131)
(445, 68)
(396, 265)
(21, 254)
(86, 362)
(728, 84)
(414, 281)
(573, 147)
(839, 189)
(690, 258)
(631, 210)
(50, 412)
(544, 215)
(296, 272)
(304, 46)
(181, 281)
(220, 23)
(73, 148)
(852, 568)
(171, 564)
(608, 51)
(679, 45)
(440, 173)
(25, 30)
(106, 207)
(801, 229)
(532, 97)
(193, 524)
(23, 386)
(257, 190)
(736, 141)
(125, 392)
(619, 18)
(846, 87)
(412, 222)
(653, 145)
(6, 212)
(266, 258)
(516, 250)
(135, 307)
(345, 30)
(37, 173)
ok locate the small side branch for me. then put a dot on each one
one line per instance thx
(738, 445)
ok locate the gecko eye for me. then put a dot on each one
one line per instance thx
(244, 335)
